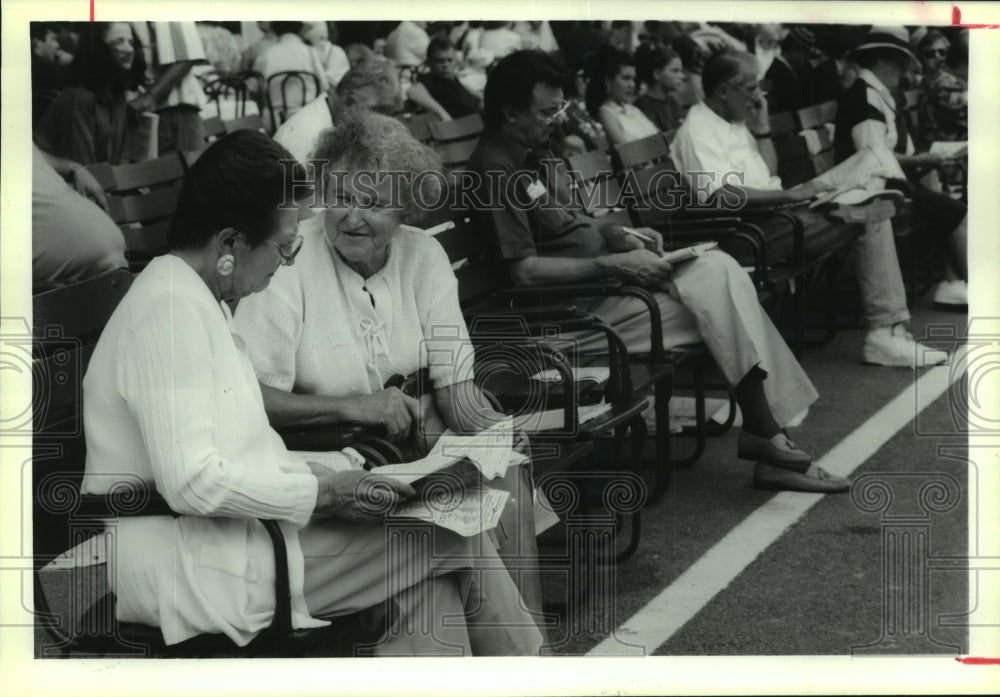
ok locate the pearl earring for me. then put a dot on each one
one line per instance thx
(224, 266)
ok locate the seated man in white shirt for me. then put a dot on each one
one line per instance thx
(716, 143)
(371, 84)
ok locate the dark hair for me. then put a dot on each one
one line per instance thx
(40, 30)
(439, 44)
(932, 37)
(650, 57)
(721, 68)
(95, 66)
(280, 28)
(610, 62)
(494, 25)
(870, 56)
(238, 182)
(512, 81)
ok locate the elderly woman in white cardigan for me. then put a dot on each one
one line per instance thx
(357, 308)
(170, 397)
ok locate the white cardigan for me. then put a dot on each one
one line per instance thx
(170, 398)
(321, 328)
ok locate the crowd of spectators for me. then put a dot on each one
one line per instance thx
(544, 91)
(623, 80)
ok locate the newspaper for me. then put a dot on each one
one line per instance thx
(950, 150)
(475, 511)
(865, 171)
(490, 451)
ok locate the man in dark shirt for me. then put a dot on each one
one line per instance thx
(871, 113)
(440, 91)
(791, 80)
(538, 239)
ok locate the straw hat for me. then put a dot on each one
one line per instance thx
(887, 37)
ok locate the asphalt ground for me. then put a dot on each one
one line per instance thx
(820, 588)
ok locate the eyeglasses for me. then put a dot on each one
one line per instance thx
(936, 52)
(756, 91)
(549, 118)
(288, 250)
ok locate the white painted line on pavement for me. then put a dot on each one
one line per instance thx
(665, 614)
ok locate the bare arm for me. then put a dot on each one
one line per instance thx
(638, 266)
(78, 175)
(419, 95)
(464, 408)
(389, 408)
(615, 133)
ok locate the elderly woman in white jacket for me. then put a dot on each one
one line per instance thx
(170, 396)
(372, 298)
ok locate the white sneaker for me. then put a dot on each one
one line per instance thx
(952, 294)
(897, 348)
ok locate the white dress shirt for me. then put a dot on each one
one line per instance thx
(722, 151)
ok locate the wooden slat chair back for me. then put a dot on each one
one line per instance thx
(141, 199)
(213, 128)
(642, 153)
(594, 186)
(466, 247)
(456, 154)
(464, 128)
(782, 125)
(795, 164)
(145, 221)
(662, 195)
(163, 170)
(817, 115)
(419, 129)
(817, 118)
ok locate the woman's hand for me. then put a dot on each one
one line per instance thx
(389, 408)
(85, 184)
(359, 496)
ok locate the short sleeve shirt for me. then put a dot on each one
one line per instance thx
(525, 203)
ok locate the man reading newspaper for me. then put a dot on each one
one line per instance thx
(717, 146)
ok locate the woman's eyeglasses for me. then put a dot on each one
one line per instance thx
(288, 250)
(936, 52)
(549, 118)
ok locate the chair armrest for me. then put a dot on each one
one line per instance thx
(320, 438)
(561, 291)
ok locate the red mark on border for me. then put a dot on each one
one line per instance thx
(956, 20)
(92, 11)
(978, 661)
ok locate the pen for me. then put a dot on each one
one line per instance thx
(635, 233)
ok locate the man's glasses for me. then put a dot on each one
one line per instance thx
(288, 250)
(549, 118)
(754, 91)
